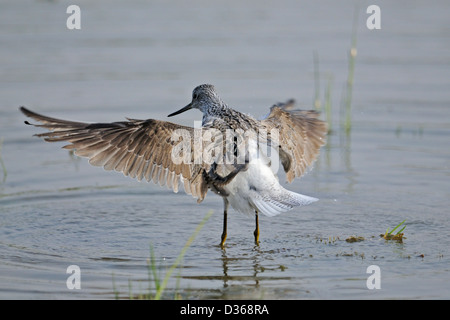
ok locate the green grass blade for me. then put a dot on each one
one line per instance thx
(2, 164)
(397, 227)
(180, 256)
(401, 230)
(153, 272)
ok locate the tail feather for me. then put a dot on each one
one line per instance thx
(276, 203)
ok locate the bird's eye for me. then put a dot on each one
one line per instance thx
(194, 96)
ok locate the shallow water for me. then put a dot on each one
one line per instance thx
(141, 60)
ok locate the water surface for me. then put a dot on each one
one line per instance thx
(141, 59)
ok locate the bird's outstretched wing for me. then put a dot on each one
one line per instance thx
(142, 149)
(301, 134)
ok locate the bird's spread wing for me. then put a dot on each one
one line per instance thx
(138, 148)
(301, 135)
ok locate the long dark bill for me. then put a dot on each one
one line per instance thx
(188, 107)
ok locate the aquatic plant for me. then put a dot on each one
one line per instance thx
(354, 239)
(388, 235)
(346, 100)
(328, 103)
(317, 103)
(350, 77)
(2, 164)
(154, 277)
(177, 262)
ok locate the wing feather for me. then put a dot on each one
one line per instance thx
(137, 148)
(301, 134)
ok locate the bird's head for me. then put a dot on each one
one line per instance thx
(203, 97)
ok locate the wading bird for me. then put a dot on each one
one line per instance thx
(233, 154)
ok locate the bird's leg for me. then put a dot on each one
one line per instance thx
(224, 232)
(256, 232)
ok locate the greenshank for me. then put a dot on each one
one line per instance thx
(231, 153)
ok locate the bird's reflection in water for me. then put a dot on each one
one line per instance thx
(244, 275)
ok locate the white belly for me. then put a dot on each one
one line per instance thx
(258, 189)
(247, 185)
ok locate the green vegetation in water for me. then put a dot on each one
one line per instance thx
(317, 103)
(346, 102)
(389, 235)
(5, 173)
(354, 239)
(328, 102)
(350, 76)
(153, 274)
